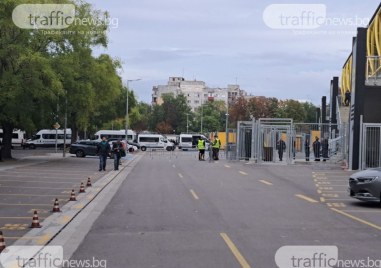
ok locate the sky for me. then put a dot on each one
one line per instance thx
(285, 51)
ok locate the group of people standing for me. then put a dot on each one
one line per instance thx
(216, 145)
(104, 150)
(320, 149)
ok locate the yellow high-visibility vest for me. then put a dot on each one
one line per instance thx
(201, 144)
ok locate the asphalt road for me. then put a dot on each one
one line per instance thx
(175, 211)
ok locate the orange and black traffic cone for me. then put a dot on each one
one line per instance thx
(88, 182)
(35, 221)
(2, 242)
(82, 188)
(72, 196)
(56, 206)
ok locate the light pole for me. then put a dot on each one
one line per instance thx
(128, 84)
(227, 122)
(187, 123)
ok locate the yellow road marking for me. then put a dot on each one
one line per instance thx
(79, 206)
(227, 166)
(181, 175)
(265, 182)
(64, 219)
(306, 198)
(42, 240)
(336, 205)
(329, 195)
(235, 251)
(195, 196)
(243, 173)
(322, 199)
(357, 219)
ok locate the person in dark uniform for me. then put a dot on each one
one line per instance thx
(324, 149)
(316, 146)
(307, 149)
(281, 148)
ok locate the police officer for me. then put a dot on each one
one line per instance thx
(281, 148)
(316, 146)
(201, 150)
(216, 147)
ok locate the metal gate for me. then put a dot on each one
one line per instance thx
(370, 146)
(258, 141)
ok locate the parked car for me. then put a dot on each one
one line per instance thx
(366, 185)
(83, 148)
(131, 146)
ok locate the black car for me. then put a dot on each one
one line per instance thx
(83, 148)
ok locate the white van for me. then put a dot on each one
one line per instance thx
(189, 141)
(18, 137)
(116, 134)
(154, 141)
(47, 138)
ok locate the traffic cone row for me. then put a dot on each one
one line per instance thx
(2, 242)
(56, 208)
(35, 221)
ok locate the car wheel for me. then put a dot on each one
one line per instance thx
(143, 148)
(80, 153)
(32, 146)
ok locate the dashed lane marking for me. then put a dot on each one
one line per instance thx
(181, 175)
(306, 198)
(242, 173)
(265, 182)
(227, 166)
(357, 219)
(195, 196)
(336, 205)
(235, 251)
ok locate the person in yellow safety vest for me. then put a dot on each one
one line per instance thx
(201, 149)
(216, 147)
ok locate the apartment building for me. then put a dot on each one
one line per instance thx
(196, 92)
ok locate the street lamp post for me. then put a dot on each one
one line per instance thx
(227, 122)
(128, 84)
(187, 123)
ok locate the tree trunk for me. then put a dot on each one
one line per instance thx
(6, 147)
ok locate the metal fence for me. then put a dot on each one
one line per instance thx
(259, 141)
(370, 146)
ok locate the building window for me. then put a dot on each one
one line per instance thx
(196, 102)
